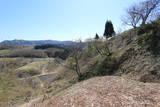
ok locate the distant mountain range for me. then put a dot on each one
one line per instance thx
(34, 42)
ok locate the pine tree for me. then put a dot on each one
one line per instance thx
(96, 37)
(109, 30)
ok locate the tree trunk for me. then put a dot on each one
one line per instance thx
(77, 67)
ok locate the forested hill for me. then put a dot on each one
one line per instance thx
(38, 42)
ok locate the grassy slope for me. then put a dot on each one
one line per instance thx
(130, 56)
(135, 55)
(32, 69)
(141, 50)
(12, 89)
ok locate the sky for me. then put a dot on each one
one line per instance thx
(59, 19)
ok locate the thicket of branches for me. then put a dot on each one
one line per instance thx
(142, 12)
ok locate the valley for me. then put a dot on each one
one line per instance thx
(79, 66)
(122, 67)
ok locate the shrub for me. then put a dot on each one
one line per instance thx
(57, 53)
(86, 75)
(108, 66)
(53, 50)
(154, 78)
(89, 51)
(128, 54)
(149, 37)
(62, 54)
(29, 73)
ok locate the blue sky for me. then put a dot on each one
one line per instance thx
(58, 19)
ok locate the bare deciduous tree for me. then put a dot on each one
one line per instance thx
(102, 48)
(142, 13)
(74, 58)
(147, 9)
(131, 19)
(76, 55)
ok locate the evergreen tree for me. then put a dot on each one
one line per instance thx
(109, 29)
(96, 37)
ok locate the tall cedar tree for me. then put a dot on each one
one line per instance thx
(109, 30)
(96, 37)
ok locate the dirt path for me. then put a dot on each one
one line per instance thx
(40, 99)
(44, 68)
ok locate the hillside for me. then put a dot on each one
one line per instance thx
(130, 62)
(25, 72)
(124, 71)
(80, 53)
(34, 51)
(134, 54)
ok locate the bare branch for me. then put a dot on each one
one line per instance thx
(142, 13)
